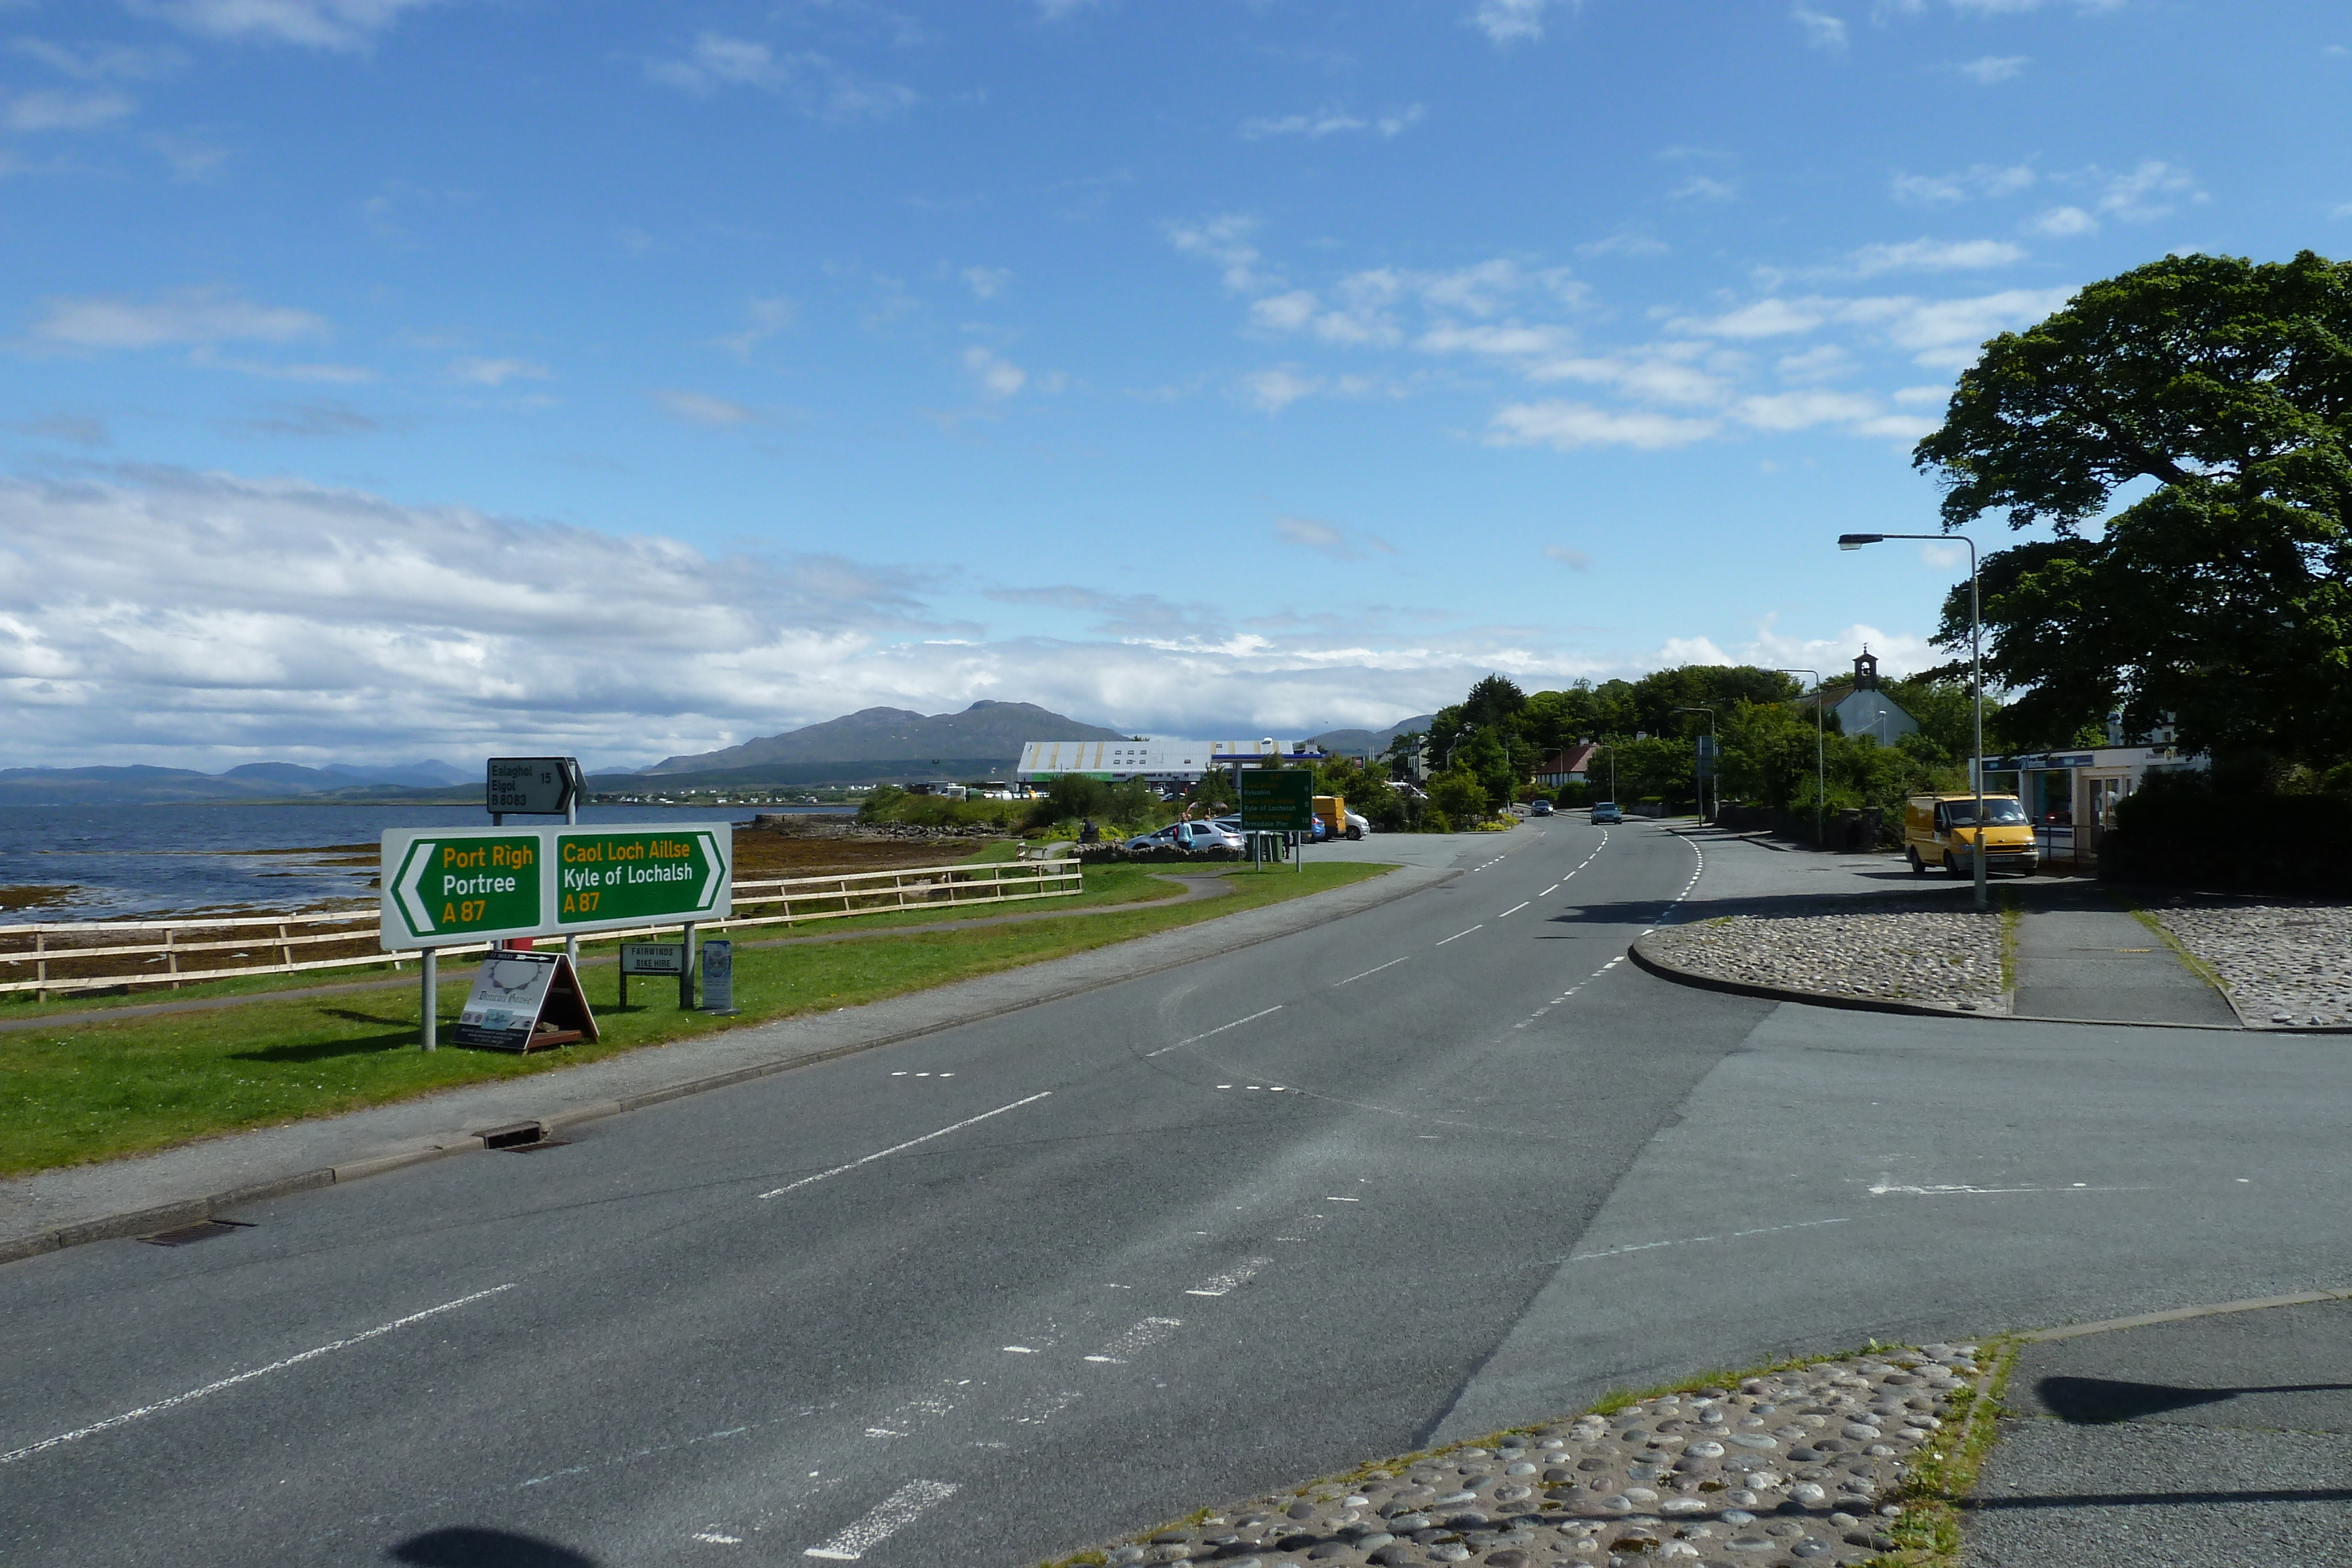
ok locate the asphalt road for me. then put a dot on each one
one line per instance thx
(995, 1294)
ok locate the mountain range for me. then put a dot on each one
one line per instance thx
(1369, 742)
(143, 786)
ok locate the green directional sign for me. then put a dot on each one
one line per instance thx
(637, 876)
(1278, 800)
(449, 888)
(461, 888)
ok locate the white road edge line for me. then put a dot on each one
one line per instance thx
(1219, 1030)
(890, 1516)
(1459, 934)
(1374, 970)
(194, 1393)
(910, 1143)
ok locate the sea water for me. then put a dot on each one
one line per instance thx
(113, 862)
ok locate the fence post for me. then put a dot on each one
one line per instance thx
(430, 966)
(171, 957)
(40, 965)
(285, 947)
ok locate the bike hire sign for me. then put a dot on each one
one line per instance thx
(442, 888)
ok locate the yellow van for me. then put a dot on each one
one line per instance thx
(1941, 830)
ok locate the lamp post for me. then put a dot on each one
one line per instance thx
(1976, 677)
(1714, 757)
(1820, 772)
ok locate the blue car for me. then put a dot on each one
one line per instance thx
(1607, 811)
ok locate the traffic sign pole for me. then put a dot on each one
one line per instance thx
(431, 968)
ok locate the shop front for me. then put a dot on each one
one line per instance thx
(2072, 795)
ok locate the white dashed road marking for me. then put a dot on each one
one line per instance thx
(910, 1143)
(1142, 1336)
(1218, 1284)
(891, 1515)
(1514, 910)
(1374, 970)
(1459, 934)
(1693, 1240)
(1219, 1030)
(193, 1394)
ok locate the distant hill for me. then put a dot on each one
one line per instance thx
(984, 737)
(136, 786)
(1369, 742)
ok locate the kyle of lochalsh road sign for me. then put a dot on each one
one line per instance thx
(442, 888)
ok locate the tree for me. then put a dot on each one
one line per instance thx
(2222, 597)
(1458, 795)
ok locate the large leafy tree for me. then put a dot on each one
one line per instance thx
(2216, 395)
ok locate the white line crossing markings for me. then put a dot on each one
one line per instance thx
(910, 1143)
(1219, 1030)
(1374, 970)
(210, 1388)
(891, 1515)
(1142, 1336)
(1459, 934)
(1239, 1275)
(1513, 909)
(1693, 1240)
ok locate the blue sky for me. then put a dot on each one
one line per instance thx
(395, 377)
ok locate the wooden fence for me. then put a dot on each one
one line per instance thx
(86, 956)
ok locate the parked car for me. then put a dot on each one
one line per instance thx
(1607, 811)
(1539, 809)
(1188, 836)
(1359, 824)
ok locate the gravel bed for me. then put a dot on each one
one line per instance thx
(2282, 962)
(1900, 952)
(1791, 1469)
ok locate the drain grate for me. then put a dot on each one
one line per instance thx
(514, 1134)
(202, 1230)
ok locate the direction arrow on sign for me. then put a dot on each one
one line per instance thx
(441, 888)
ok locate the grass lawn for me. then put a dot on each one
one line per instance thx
(93, 1090)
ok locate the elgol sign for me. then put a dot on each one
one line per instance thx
(446, 888)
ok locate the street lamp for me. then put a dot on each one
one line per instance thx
(1820, 773)
(1714, 759)
(1976, 676)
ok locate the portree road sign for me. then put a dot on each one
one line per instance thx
(445, 888)
(532, 786)
(1277, 800)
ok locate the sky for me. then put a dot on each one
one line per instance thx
(390, 379)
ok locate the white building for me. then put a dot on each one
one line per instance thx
(1862, 708)
(1155, 760)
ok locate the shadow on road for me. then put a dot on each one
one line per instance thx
(469, 1546)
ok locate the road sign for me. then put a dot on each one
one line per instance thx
(1278, 800)
(719, 977)
(533, 786)
(515, 994)
(443, 888)
(653, 958)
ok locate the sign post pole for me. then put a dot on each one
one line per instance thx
(686, 969)
(430, 967)
(571, 819)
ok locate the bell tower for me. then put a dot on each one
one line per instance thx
(1866, 670)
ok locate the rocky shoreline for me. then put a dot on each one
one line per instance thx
(1792, 1468)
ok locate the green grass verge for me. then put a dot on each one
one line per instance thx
(1104, 885)
(89, 1090)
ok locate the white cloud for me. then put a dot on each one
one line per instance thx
(1989, 181)
(1654, 373)
(1278, 389)
(998, 377)
(1507, 340)
(1574, 559)
(1764, 318)
(347, 24)
(1824, 362)
(1899, 653)
(187, 316)
(1823, 31)
(1225, 240)
(497, 373)
(821, 88)
(1510, 21)
(1934, 256)
(987, 282)
(1946, 334)
(1699, 188)
(1992, 70)
(2063, 223)
(1915, 397)
(1567, 426)
(1326, 123)
(1624, 242)
(190, 159)
(1403, 120)
(49, 109)
(101, 62)
(701, 408)
(1313, 533)
(2153, 190)
(766, 318)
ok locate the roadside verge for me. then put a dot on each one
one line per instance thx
(145, 1194)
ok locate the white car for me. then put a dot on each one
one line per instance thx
(1188, 836)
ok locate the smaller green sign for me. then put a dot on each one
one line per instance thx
(1278, 800)
(638, 877)
(459, 887)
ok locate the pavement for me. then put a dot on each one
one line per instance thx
(1019, 1285)
(2219, 1441)
(2079, 956)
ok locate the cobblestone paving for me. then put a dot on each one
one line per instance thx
(2284, 963)
(1787, 1470)
(1892, 950)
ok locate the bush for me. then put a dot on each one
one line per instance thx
(1460, 797)
(2177, 830)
